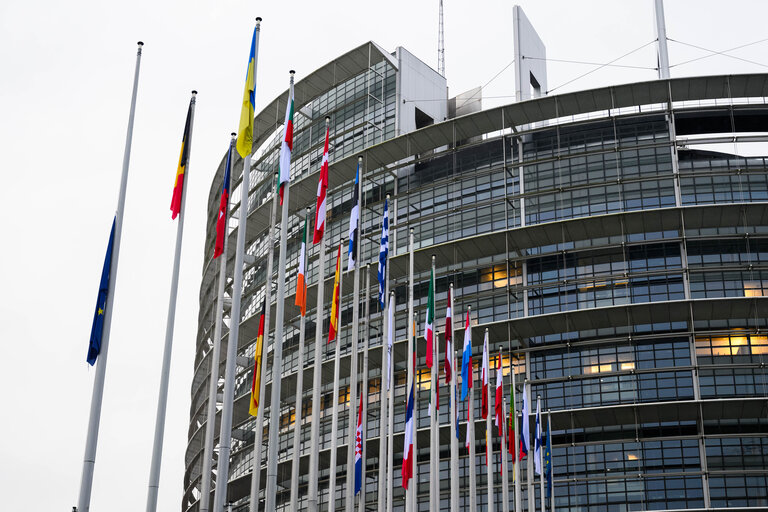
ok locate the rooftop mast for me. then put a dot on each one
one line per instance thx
(441, 44)
(661, 39)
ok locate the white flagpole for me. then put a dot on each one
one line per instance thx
(541, 454)
(352, 432)
(277, 351)
(413, 487)
(314, 453)
(165, 372)
(215, 355)
(434, 421)
(518, 426)
(383, 396)
(531, 453)
(225, 433)
(471, 432)
(364, 387)
(391, 402)
(488, 427)
(299, 394)
(504, 447)
(258, 434)
(454, 482)
(551, 465)
(94, 418)
(335, 413)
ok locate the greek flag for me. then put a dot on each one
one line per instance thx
(383, 254)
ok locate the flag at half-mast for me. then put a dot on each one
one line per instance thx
(287, 147)
(253, 409)
(97, 329)
(448, 340)
(221, 218)
(359, 448)
(466, 360)
(498, 407)
(429, 326)
(407, 468)
(354, 222)
(245, 130)
(383, 255)
(178, 186)
(484, 378)
(332, 331)
(322, 188)
(525, 435)
(301, 284)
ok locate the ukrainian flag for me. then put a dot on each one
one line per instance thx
(245, 131)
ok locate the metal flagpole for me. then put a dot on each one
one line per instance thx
(335, 410)
(225, 432)
(213, 385)
(383, 395)
(412, 488)
(551, 466)
(488, 427)
(162, 399)
(277, 350)
(434, 422)
(258, 435)
(89, 460)
(504, 441)
(364, 387)
(531, 447)
(352, 432)
(454, 481)
(471, 431)
(541, 454)
(391, 405)
(299, 396)
(518, 426)
(314, 453)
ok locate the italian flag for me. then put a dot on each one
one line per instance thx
(287, 146)
(301, 285)
(429, 328)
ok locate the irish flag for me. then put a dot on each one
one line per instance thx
(301, 285)
(287, 146)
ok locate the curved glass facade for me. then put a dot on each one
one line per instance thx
(619, 257)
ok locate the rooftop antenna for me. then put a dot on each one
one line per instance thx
(441, 45)
(661, 39)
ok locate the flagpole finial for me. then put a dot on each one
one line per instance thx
(258, 20)
(486, 329)
(308, 210)
(194, 92)
(292, 72)
(233, 134)
(140, 43)
(327, 120)
(360, 158)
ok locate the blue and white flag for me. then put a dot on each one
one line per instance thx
(383, 254)
(354, 221)
(525, 436)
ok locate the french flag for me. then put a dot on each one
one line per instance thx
(359, 448)
(407, 470)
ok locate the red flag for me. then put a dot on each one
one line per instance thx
(448, 339)
(322, 187)
(221, 218)
(499, 397)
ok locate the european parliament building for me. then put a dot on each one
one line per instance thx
(614, 242)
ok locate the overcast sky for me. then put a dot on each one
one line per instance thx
(65, 81)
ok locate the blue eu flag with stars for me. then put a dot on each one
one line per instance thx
(94, 345)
